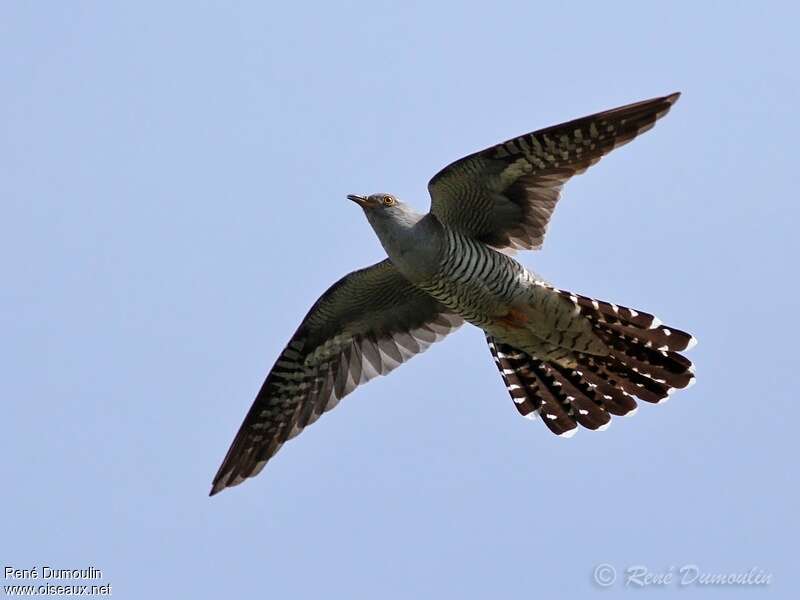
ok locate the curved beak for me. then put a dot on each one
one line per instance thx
(360, 200)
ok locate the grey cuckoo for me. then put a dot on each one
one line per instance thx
(565, 358)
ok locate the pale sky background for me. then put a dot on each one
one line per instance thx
(172, 185)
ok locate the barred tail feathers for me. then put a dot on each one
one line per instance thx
(643, 361)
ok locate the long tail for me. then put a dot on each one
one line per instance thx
(643, 361)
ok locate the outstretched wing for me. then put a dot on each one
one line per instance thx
(366, 324)
(504, 195)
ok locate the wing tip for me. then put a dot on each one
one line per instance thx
(672, 98)
(219, 484)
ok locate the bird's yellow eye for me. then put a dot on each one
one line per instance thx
(389, 201)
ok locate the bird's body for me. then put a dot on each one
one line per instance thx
(483, 286)
(565, 357)
(491, 290)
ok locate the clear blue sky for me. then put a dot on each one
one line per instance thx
(172, 184)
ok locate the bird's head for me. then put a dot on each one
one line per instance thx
(389, 217)
(384, 208)
(376, 202)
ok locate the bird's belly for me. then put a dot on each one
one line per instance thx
(494, 292)
(508, 315)
(483, 287)
(474, 302)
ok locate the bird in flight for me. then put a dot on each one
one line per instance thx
(565, 358)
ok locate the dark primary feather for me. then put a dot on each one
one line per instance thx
(505, 195)
(365, 325)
